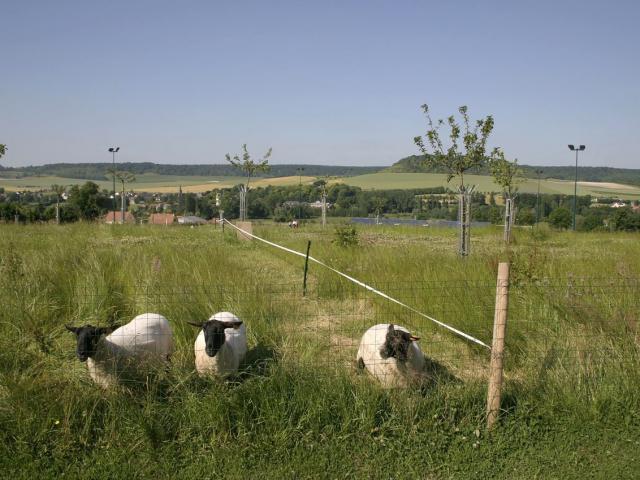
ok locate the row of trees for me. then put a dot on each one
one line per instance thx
(88, 202)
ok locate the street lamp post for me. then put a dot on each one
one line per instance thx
(113, 151)
(575, 184)
(300, 170)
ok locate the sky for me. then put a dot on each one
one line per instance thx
(330, 82)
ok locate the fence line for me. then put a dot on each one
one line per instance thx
(363, 285)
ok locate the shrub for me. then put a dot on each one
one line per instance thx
(346, 236)
(560, 218)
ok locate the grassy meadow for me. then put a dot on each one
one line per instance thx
(300, 408)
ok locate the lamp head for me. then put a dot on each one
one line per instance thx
(571, 147)
(582, 147)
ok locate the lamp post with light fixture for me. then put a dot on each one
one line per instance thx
(113, 151)
(575, 184)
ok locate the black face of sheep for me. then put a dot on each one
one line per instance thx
(87, 339)
(214, 334)
(397, 344)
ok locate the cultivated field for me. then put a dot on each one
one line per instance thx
(301, 409)
(149, 183)
(378, 181)
(387, 180)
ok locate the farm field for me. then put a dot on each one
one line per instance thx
(380, 181)
(388, 180)
(301, 408)
(149, 182)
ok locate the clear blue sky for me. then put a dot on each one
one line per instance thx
(331, 82)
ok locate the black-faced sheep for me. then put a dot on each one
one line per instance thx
(221, 344)
(390, 353)
(147, 339)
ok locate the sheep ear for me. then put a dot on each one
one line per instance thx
(197, 325)
(236, 324)
(108, 330)
(414, 338)
(390, 329)
(72, 329)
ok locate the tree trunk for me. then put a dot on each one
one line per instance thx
(464, 218)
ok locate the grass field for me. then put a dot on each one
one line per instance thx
(301, 409)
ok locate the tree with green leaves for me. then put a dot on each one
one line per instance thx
(3, 150)
(58, 190)
(466, 150)
(249, 167)
(507, 175)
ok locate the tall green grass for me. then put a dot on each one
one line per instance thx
(300, 409)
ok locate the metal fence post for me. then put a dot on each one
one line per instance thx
(497, 347)
(306, 268)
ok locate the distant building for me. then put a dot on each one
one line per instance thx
(618, 205)
(117, 216)
(162, 218)
(318, 204)
(191, 220)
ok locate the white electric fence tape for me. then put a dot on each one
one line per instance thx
(364, 285)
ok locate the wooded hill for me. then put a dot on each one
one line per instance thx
(415, 164)
(412, 164)
(97, 171)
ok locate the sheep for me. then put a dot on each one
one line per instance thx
(390, 353)
(221, 344)
(147, 339)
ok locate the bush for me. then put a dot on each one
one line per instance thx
(345, 236)
(560, 218)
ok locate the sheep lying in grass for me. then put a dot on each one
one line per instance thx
(144, 342)
(221, 344)
(391, 355)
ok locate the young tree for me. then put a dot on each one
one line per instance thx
(247, 165)
(505, 174)
(3, 150)
(456, 159)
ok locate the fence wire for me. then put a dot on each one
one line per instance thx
(568, 324)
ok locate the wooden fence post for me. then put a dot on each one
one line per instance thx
(497, 347)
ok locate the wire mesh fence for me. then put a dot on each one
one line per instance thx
(570, 325)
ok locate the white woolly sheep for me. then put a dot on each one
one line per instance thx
(221, 344)
(391, 355)
(147, 339)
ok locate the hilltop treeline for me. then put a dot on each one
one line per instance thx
(416, 164)
(97, 171)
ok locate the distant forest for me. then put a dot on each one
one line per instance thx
(97, 171)
(412, 164)
(415, 164)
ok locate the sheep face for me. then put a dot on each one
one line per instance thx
(397, 344)
(214, 336)
(87, 338)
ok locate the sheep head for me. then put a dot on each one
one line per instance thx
(397, 344)
(87, 338)
(214, 334)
